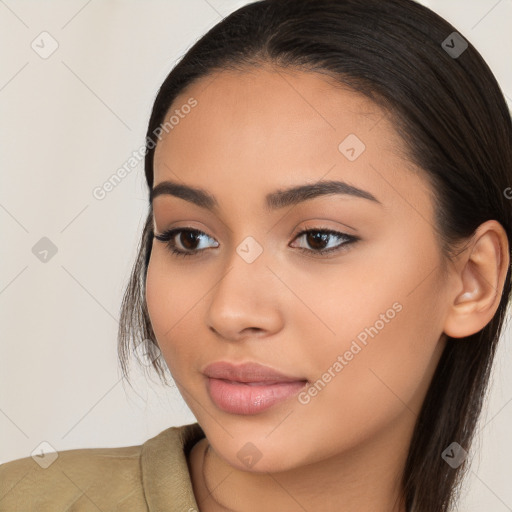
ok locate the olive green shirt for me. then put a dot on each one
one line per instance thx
(152, 477)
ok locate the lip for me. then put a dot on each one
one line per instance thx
(249, 388)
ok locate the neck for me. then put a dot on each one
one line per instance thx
(366, 477)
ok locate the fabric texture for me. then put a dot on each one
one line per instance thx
(151, 477)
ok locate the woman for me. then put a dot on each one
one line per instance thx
(324, 269)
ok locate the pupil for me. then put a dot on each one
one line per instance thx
(316, 238)
(189, 236)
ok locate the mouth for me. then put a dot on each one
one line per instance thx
(250, 388)
(262, 383)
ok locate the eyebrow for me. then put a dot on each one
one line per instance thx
(273, 201)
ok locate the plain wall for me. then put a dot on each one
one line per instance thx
(68, 122)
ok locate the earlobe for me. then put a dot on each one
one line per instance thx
(482, 269)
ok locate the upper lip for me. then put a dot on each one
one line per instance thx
(247, 372)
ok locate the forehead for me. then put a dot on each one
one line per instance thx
(266, 98)
(267, 114)
(267, 128)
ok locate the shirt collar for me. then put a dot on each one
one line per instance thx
(166, 478)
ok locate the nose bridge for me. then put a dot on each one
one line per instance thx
(246, 269)
(241, 298)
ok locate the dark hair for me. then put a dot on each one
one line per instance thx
(456, 126)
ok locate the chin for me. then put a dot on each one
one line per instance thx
(258, 454)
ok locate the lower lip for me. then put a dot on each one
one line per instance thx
(240, 398)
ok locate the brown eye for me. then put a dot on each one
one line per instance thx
(187, 240)
(318, 239)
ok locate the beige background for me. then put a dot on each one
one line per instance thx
(68, 122)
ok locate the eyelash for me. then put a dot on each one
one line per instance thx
(169, 235)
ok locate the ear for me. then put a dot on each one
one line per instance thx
(481, 272)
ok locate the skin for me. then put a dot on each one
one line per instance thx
(254, 132)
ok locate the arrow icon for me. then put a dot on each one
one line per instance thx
(44, 45)
(351, 147)
(454, 455)
(249, 455)
(249, 249)
(44, 454)
(454, 45)
(44, 250)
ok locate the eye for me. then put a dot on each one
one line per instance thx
(316, 238)
(188, 242)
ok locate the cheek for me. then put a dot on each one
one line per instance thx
(390, 376)
(172, 297)
(381, 361)
(162, 303)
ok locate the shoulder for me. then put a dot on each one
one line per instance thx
(85, 479)
(149, 477)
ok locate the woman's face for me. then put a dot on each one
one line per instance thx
(362, 324)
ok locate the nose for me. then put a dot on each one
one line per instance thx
(246, 300)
